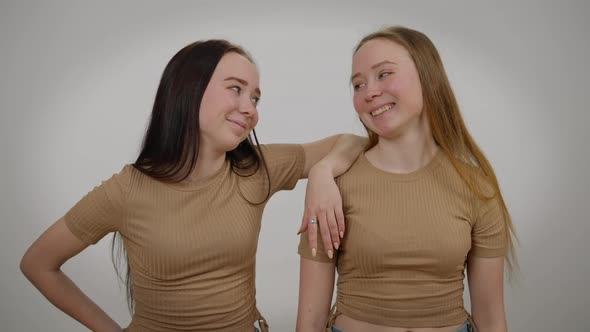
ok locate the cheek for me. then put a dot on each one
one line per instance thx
(415, 100)
(209, 116)
(395, 86)
(412, 89)
(255, 119)
(357, 101)
(360, 108)
(204, 118)
(207, 110)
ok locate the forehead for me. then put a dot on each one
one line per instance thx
(376, 51)
(236, 65)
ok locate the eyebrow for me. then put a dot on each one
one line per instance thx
(374, 66)
(243, 82)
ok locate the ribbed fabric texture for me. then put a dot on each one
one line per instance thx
(407, 238)
(191, 247)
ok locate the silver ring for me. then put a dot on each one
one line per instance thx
(313, 221)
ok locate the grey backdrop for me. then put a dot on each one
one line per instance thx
(77, 81)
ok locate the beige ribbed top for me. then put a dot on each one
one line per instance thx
(407, 238)
(191, 248)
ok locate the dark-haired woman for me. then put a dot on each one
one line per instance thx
(189, 210)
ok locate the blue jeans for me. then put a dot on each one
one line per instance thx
(465, 328)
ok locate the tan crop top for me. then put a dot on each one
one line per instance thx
(401, 262)
(191, 247)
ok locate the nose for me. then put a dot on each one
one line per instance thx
(248, 108)
(373, 91)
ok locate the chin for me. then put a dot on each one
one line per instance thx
(231, 147)
(232, 144)
(388, 133)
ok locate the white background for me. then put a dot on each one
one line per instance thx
(78, 79)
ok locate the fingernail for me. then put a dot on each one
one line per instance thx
(336, 245)
(313, 252)
(330, 254)
(341, 234)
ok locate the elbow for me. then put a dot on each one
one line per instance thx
(31, 266)
(26, 266)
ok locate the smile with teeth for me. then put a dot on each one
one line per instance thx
(382, 109)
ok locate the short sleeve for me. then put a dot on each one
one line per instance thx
(285, 165)
(321, 256)
(102, 210)
(489, 233)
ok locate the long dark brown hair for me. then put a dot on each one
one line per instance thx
(171, 144)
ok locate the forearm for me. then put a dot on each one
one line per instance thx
(486, 289)
(345, 151)
(308, 321)
(316, 285)
(65, 295)
(313, 311)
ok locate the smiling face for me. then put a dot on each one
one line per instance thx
(228, 109)
(387, 89)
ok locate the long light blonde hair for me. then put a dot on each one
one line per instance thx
(447, 125)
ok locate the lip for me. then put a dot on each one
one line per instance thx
(238, 122)
(381, 105)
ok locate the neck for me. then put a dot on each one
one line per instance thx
(208, 163)
(404, 153)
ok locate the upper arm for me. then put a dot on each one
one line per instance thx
(316, 285)
(52, 249)
(99, 212)
(486, 289)
(102, 210)
(490, 233)
(284, 164)
(315, 151)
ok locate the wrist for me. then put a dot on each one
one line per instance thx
(323, 167)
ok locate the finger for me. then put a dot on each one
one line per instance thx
(325, 233)
(303, 226)
(340, 220)
(312, 235)
(333, 228)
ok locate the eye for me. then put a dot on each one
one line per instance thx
(358, 86)
(255, 101)
(236, 88)
(384, 74)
